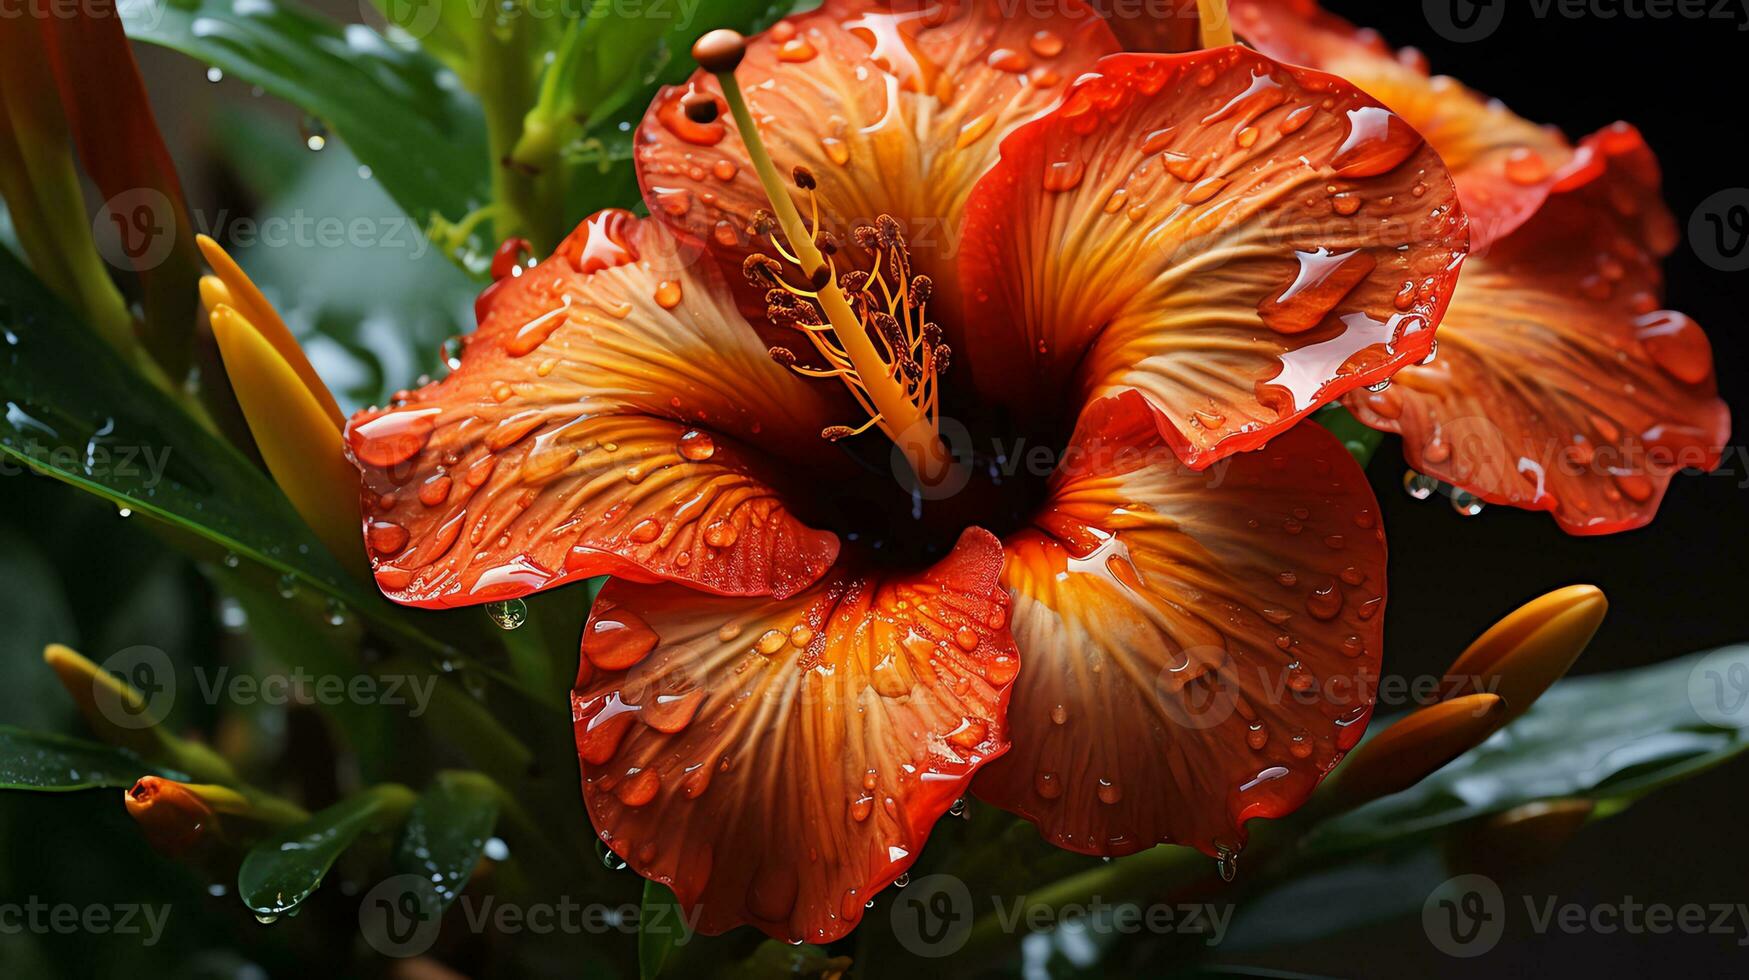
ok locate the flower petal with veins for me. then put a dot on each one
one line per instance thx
(1560, 385)
(1238, 240)
(896, 108)
(778, 762)
(1504, 165)
(1200, 648)
(609, 416)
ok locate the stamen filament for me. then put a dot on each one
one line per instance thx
(1217, 30)
(876, 381)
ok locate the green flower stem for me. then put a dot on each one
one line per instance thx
(530, 195)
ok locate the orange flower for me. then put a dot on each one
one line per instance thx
(978, 234)
(1559, 384)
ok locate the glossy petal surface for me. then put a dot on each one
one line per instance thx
(1238, 240)
(1504, 165)
(599, 422)
(1199, 648)
(777, 763)
(896, 108)
(1559, 383)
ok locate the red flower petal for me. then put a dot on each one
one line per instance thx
(1559, 384)
(1504, 165)
(1239, 240)
(1200, 648)
(895, 108)
(599, 423)
(778, 762)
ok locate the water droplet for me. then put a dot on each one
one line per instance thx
(1064, 175)
(1466, 503)
(697, 445)
(1108, 792)
(668, 294)
(336, 613)
(902, 880)
(509, 614)
(1227, 862)
(1047, 785)
(1525, 166)
(287, 587)
(1677, 344)
(215, 74)
(1323, 280)
(1419, 485)
(1378, 142)
(313, 133)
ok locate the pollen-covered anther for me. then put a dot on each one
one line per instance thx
(826, 243)
(804, 178)
(763, 223)
(833, 433)
(761, 269)
(921, 287)
(891, 235)
(783, 355)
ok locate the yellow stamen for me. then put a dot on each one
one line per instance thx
(901, 406)
(299, 440)
(247, 300)
(1217, 30)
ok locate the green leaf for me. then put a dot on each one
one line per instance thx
(49, 763)
(661, 928)
(76, 412)
(446, 834)
(36, 614)
(280, 872)
(401, 113)
(1609, 738)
